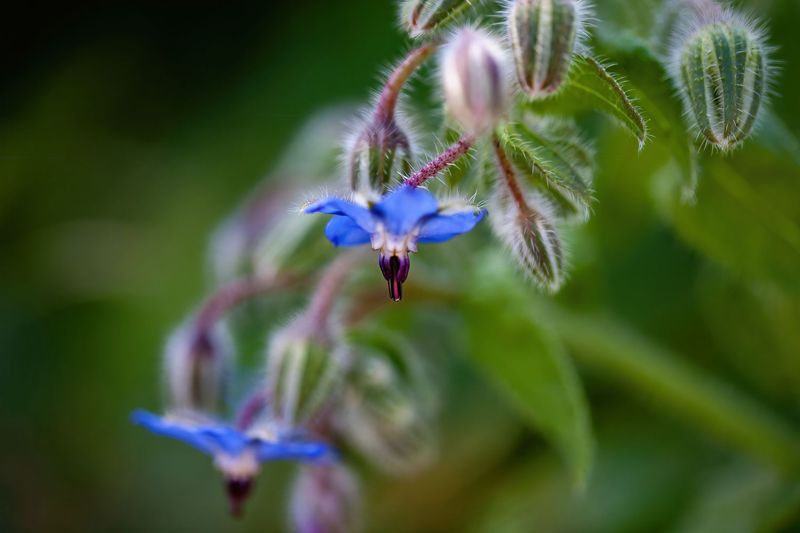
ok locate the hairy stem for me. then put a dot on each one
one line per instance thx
(509, 178)
(229, 296)
(441, 162)
(387, 102)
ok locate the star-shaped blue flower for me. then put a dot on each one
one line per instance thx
(236, 453)
(394, 225)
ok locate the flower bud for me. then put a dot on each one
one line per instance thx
(474, 80)
(719, 63)
(196, 368)
(386, 412)
(325, 498)
(303, 370)
(378, 153)
(424, 16)
(531, 235)
(543, 35)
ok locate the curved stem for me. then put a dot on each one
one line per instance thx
(229, 296)
(319, 309)
(387, 101)
(441, 162)
(509, 178)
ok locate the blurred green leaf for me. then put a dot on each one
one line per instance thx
(716, 407)
(741, 498)
(530, 365)
(591, 87)
(738, 223)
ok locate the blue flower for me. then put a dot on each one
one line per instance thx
(236, 453)
(394, 225)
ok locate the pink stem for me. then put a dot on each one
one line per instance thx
(231, 295)
(441, 162)
(387, 102)
(250, 409)
(510, 180)
(328, 288)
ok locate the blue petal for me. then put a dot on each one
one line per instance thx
(404, 208)
(336, 206)
(294, 451)
(227, 439)
(342, 231)
(160, 426)
(442, 228)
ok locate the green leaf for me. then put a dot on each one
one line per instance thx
(591, 86)
(624, 356)
(529, 364)
(742, 498)
(746, 218)
(554, 158)
(655, 95)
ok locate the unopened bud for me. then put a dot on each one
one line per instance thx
(720, 65)
(474, 80)
(377, 154)
(543, 35)
(386, 412)
(421, 17)
(303, 370)
(196, 366)
(530, 233)
(325, 499)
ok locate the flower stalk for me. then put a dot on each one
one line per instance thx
(441, 162)
(387, 101)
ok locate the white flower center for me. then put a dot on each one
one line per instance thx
(389, 244)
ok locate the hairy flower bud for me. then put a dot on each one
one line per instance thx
(720, 66)
(543, 35)
(303, 369)
(196, 368)
(387, 410)
(325, 498)
(474, 80)
(530, 233)
(424, 16)
(378, 152)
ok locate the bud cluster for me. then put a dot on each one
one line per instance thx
(334, 387)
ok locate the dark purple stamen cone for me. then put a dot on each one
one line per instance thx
(238, 491)
(395, 270)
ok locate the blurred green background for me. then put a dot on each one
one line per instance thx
(129, 130)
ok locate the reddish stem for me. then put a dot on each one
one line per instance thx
(328, 288)
(441, 162)
(387, 101)
(235, 293)
(250, 409)
(509, 178)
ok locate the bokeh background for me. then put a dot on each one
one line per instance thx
(128, 130)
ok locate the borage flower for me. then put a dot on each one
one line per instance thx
(394, 225)
(237, 454)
